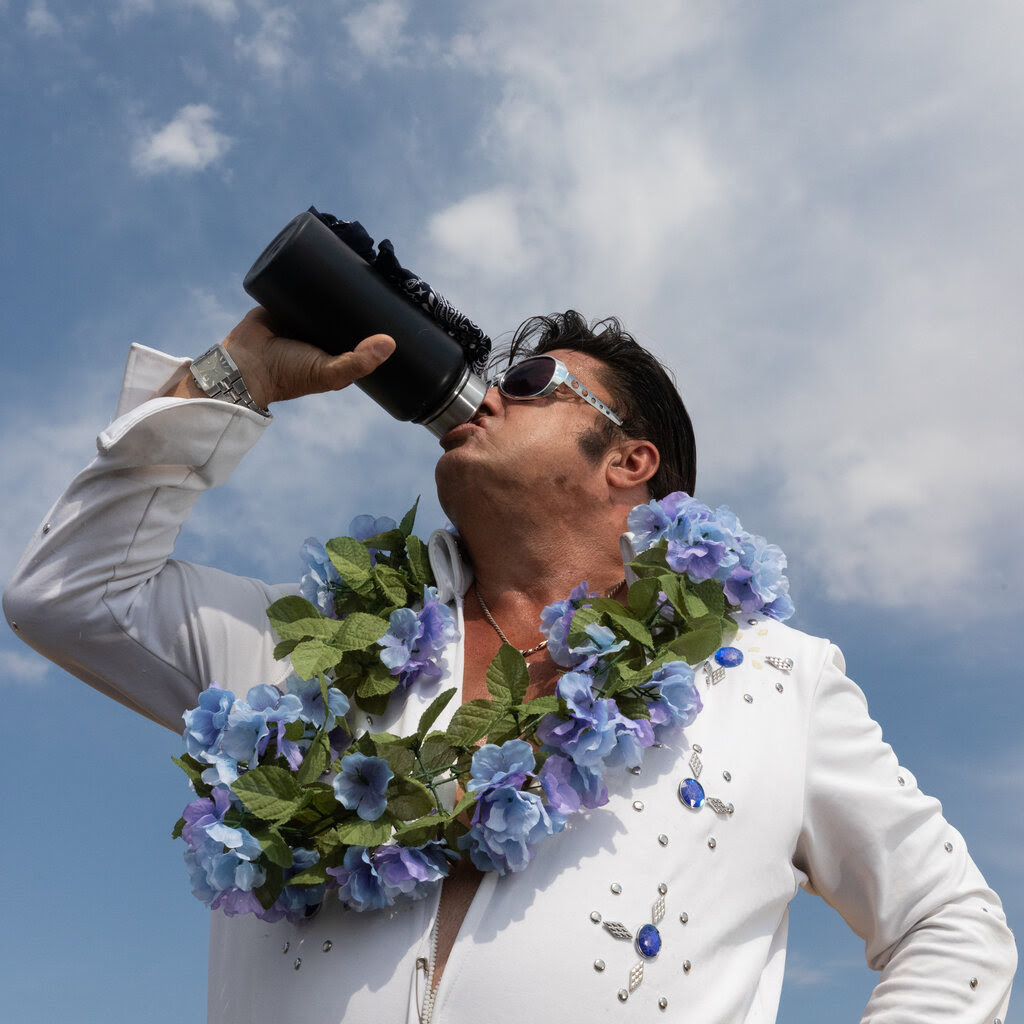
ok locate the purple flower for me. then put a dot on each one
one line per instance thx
(364, 527)
(222, 863)
(506, 823)
(205, 811)
(569, 786)
(312, 702)
(359, 884)
(362, 783)
(320, 580)
(415, 641)
(409, 872)
(759, 583)
(679, 700)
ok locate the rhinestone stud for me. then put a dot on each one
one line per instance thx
(298, 962)
(662, 888)
(327, 946)
(974, 982)
(684, 917)
(727, 775)
(948, 847)
(595, 916)
(638, 805)
(623, 995)
(686, 966)
(616, 888)
(662, 1003)
(663, 839)
(712, 843)
(748, 698)
(599, 964)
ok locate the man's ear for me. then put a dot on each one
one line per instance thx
(631, 463)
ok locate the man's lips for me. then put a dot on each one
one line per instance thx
(458, 434)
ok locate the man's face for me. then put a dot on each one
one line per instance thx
(524, 450)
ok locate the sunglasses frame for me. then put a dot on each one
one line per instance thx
(560, 375)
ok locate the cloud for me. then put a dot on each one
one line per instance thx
(269, 48)
(219, 10)
(482, 231)
(376, 29)
(188, 143)
(22, 668)
(40, 21)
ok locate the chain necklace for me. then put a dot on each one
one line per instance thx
(611, 592)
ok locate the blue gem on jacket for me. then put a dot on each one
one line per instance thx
(728, 657)
(648, 941)
(691, 792)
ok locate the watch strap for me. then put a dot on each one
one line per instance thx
(226, 383)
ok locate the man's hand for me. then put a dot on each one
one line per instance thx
(275, 368)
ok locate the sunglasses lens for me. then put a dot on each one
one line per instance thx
(529, 378)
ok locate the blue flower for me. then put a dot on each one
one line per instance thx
(223, 867)
(506, 823)
(678, 703)
(556, 621)
(493, 765)
(415, 641)
(205, 723)
(359, 884)
(312, 703)
(759, 583)
(295, 901)
(364, 527)
(205, 811)
(569, 786)
(410, 872)
(320, 580)
(589, 735)
(362, 783)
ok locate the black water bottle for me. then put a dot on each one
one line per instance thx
(319, 290)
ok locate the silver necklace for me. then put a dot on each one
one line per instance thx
(540, 647)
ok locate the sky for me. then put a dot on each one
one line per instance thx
(810, 212)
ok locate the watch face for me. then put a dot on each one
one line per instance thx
(211, 369)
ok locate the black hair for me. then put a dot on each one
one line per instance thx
(642, 391)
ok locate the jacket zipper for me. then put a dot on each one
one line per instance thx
(426, 964)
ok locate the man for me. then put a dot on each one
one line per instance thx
(539, 491)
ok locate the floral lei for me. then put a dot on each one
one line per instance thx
(291, 806)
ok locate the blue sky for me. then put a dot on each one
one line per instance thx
(811, 212)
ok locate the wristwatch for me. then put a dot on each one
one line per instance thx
(216, 373)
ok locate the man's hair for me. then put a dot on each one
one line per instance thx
(642, 392)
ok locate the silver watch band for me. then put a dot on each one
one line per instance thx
(216, 374)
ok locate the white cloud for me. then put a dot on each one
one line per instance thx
(189, 142)
(269, 47)
(219, 10)
(482, 231)
(376, 29)
(22, 667)
(40, 20)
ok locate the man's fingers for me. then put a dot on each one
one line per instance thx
(362, 360)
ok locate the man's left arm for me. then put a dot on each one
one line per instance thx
(878, 850)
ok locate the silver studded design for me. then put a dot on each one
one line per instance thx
(595, 916)
(623, 995)
(779, 687)
(687, 966)
(902, 781)
(636, 975)
(662, 1003)
(663, 839)
(782, 664)
(616, 888)
(684, 917)
(327, 946)
(599, 964)
(751, 622)
(718, 806)
(696, 765)
(727, 775)
(286, 947)
(46, 529)
(698, 748)
(974, 983)
(617, 930)
(663, 890)
(298, 962)
(713, 675)
(658, 910)
(638, 805)
(748, 698)
(948, 847)
(712, 843)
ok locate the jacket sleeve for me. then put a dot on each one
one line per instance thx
(96, 590)
(881, 853)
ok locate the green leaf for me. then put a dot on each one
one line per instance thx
(419, 561)
(353, 563)
(409, 799)
(317, 758)
(436, 753)
(359, 631)
(311, 657)
(621, 620)
(316, 875)
(389, 540)
(471, 722)
(695, 647)
(633, 707)
(409, 519)
(643, 596)
(294, 731)
(577, 631)
(390, 584)
(191, 767)
(540, 706)
(178, 826)
(268, 892)
(505, 728)
(401, 760)
(429, 717)
(377, 682)
(284, 648)
(467, 802)
(269, 792)
(710, 592)
(364, 833)
(294, 618)
(650, 562)
(274, 847)
(418, 832)
(375, 705)
(507, 676)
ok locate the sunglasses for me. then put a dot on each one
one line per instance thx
(538, 376)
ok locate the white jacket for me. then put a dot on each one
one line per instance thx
(819, 799)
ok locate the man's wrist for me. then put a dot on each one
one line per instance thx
(217, 376)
